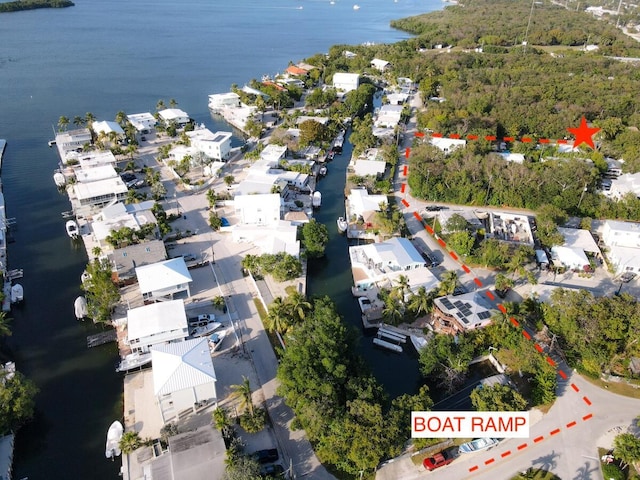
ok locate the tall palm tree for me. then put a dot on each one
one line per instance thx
(160, 105)
(402, 288)
(448, 282)
(393, 311)
(278, 317)
(121, 118)
(5, 331)
(89, 118)
(242, 392)
(63, 122)
(173, 103)
(298, 305)
(421, 301)
(78, 121)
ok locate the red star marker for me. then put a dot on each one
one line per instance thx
(584, 134)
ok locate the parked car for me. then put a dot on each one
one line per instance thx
(139, 183)
(266, 456)
(189, 257)
(274, 470)
(206, 317)
(438, 460)
(128, 177)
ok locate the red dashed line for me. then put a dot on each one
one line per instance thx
(550, 361)
(514, 322)
(506, 454)
(554, 432)
(508, 139)
(538, 348)
(562, 374)
(405, 170)
(405, 203)
(472, 137)
(587, 401)
(526, 139)
(466, 269)
(544, 140)
(490, 461)
(490, 138)
(571, 424)
(502, 309)
(402, 188)
(562, 142)
(418, 217)
(526, 335)
(407, 152)
(490, 295)
(474, 468)
(587, 417)
(429, 229)
(575, 387)
(419, 134)
(538, 439)
(453, 255)
(522, 447)
(478, 282)
(441, 242)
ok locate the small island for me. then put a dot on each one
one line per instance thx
(33, 4)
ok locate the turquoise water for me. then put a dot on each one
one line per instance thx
(102, 56)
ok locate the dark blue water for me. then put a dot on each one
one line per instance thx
(103, 56)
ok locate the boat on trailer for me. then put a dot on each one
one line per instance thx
(477, 445)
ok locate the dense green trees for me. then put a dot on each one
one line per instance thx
(314, 238)
(497, 398)
(281, 266)
(101, 292)
(17, 401)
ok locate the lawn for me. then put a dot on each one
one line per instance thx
(536, 474)
(620, 388)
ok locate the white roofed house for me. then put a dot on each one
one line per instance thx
(569, 257)
(156, 324)
(369, 163)
(164, 279)
(263, 209)
(175, 115)
(447, 145)
(142, 122)
(378, 265)
(126, 259)
(219, 101)
(120, 215)
(97, 193)
(388, 116)
(216, 146)
(184, 378)
(623, 243)
(72, 141)
(360, 202)
(106, 127)
(380, 65)
(624, 184)
(460, 313)
(346, 82)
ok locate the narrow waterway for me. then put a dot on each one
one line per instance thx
(331, 276)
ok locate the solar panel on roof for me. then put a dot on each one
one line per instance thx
(447, 303)
(219, 138)
(458, 304)
(483, 315)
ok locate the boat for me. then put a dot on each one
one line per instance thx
(59, 180)
(388, 345)
(322, 171)
(204, 330)
(418, 342)
(316, 199)
(133, 360)
(391, 335)
(215, 340)
(72, 229)
(80, 308)
(114, 434)
(17, 293)
(477, 445)
(342, 224)
(3, 145)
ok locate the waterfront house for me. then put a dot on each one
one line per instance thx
(183, 377)
(216, 146)
(623, 242)
(379, 265)
(281, 236)
(97, 193)
(218, 101)
(144, 123)
(388, 116)
(164, 280)
(91, 159)
(175, 115)
(360, 203)
(368, 163)
(296, 71)
(397, 98)
(120, 215)
(265, 209)
(106, 127)
(345, 82)
(72, 140)
(380, 65)
(454, 314)
(156, 324)
(126, 259)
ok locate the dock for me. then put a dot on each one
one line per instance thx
(101, 338)
(396, 337)
(388, 345)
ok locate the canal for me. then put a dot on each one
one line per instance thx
(331, 276)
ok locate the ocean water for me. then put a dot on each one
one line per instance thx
(103, 56)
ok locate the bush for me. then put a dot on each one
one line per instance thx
(253, 423)
(612, 472)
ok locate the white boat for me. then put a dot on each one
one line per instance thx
(3, 145)
(133, 360)
(316, 199)
(323, 171)
(114, 434)
(80, 308)
(477, 445)
(204, 330)
(388, 345)
(342, 225)
(418, 342)
(72, 229)
(59, 179)
(17, 293)
(215, 340)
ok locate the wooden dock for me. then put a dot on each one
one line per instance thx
(101, 338)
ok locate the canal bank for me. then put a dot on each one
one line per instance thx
(331, 276)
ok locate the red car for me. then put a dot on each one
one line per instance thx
(438, 460)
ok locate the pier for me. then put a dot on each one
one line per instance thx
(101, 338)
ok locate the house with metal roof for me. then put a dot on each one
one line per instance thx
(164, 280)
(175, 115)
(214, 145)
(458, 313)
(183, 377)
(623, 242)
(156, 324)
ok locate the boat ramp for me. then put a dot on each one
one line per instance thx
(101, 338)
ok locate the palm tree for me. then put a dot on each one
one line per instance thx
(130, 442)
(160, 105)
(278, 317)
(132, 148)
(393, 311)
(402, 288)
(89, 118)
(5, 331)
(173, 103)
(121, 118)
(62, 123)
(78, 121)
(298, 305)
(242, 392)
(421, 302)
(448, 282)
